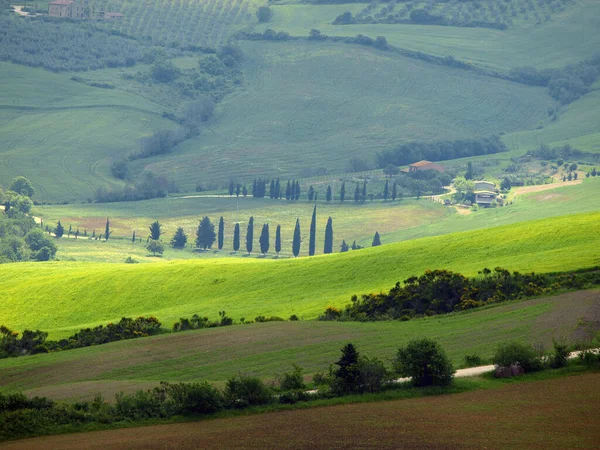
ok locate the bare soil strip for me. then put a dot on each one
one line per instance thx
(552, 414)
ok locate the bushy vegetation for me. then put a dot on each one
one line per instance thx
(443, 291)
(425, 362)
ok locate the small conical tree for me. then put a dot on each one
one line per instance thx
(155, 230)
(205, 234)
(297, 190)
(107, 231)
(277, 189)
(469, 172)
(344, 247)
(328, 237)
(288, 191)
(236, 237)
(311, 194)
(245, 191)
(250, 235)
(348, 371)
(328, 195)
(293, 190)
(376, 240)
(296, 241)
(179, 238)
(394, 191)
(77, 233)
(60, 230)
(71, 227)
(132, 237)
(238, 189)
(278, 240)
(231, 187)
(386, 190)
(221, 233)
(356, 193)
(313, 233)
(364, 191)
(272, 189)
(264, 239)
(343, 191)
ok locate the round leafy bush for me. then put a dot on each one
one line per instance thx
(425, 361)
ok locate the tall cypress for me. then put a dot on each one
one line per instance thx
(250, 235)
(356, 193)
(386, 190)
(328, 196)
(254, 188)
(133, 237)
(311, 194)
(376, 240)
(288, 191)
(236, 237)
(221, 233)
(272, 189)
(394, 191)
(328, 237)
(278, 240)
(231, 187)
(297, 190)
(264, 239)
(277, 189)
(107, 230)
(313, 233)
(296, 241)
(364, 191)
(343, 191)
(238, 189)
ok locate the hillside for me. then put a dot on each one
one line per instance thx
(60, 297)
(267, 349)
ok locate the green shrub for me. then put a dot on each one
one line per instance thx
(516, 353)
(291, 381)
(425, 362)
(195, 398)
(472, 360)
(588, 357)
(243, 391)
(560, 355)
(141, 405)
(373, 374)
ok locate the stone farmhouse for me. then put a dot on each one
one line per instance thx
(424, 165)
(66, 8)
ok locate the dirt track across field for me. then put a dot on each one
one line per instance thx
(553, 414)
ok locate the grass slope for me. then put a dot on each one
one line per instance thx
(268, 349)
(60, 297)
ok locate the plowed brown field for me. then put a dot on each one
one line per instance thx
(553, 414)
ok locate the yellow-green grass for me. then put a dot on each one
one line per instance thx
(62, 134)
(268, 349)
(307, 105)
(61, 297)
(571, 36)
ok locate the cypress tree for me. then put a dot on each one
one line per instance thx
(313, 233)
(132, 237)
(328, 237)
(311, 194)
(328, 195)
(238, 188)
(278, 240)
(250, 235)
(297, 190)
(376, 240)
(469, 172)
(288, 191)
(60, 230)
(71, 226)
(386, 190)
(296, 241)
(344, 247)
(293, 190)
(264, 239)
(343, 191)
(155, 231)
(236, 237)
(394, 191)
(220, 236)
(205, 234)
(107, 231)
(179, 238)
(356, 193)
(277, 189)
(77, 233)
(364, 191)
(254, 188)
(245, 191)
(272, 189)
(231, 187)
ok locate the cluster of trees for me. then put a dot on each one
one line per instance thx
(145, 186)
(439, 151)
(566, 84)
(64, 46)
(21, 238)
(443, 291)
(562, 154)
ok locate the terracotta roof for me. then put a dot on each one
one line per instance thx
(62, 2)
(421, 163)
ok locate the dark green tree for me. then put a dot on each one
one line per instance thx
(425, 362)
(296, 241)
(394, 191)
(277, 189)
(297, 191)
(236, 237)
(132, 236)
(278, 240)
(264, 239)
(179, 238)
(205, 234)
(245, 191)
(22, 186)
(250, 235)
(343, 191)
(107, 231)
(386, 190)
(469, 172)
(328, 237)
(155, 247)
(328, 195)
(364, 191)
(376, 240)
(272, 189)
(155, 231)
(348, 374)
(344, 247)
(288, 191)
(311, 194)
(70, 230)
(220, 236)
(238, 189)
(356, 193)
(231, 187)
(313, 233)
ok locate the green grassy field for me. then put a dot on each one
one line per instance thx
(267, 349)
(60, 297)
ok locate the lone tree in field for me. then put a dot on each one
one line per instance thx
(221, 233)
(390, 170)
(264, 239)
(394, 191)
(328, 195)
(155, 231)
(205, 234)
(236, 237)
(348, 373)
(343, 192)
(132, 236)
(155, 247)
(425, 362)
(107, 231)
(264, 14)
(59, 230)
(328, 237)
(376, 240)
(296, 241)
(22, 186)
(179, 238)
(386, 190)
(250, 235)
(278, 240)
(313, 233)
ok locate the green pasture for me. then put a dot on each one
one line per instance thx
(62, 296)
(268, 349)
(308, 105)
